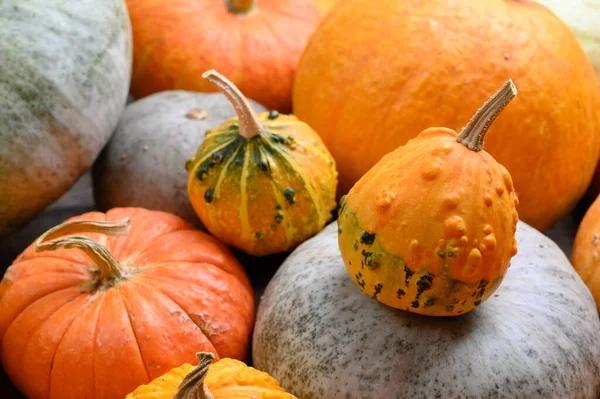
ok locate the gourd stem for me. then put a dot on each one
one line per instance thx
(250, 125)
(240, 6)
(473, 134)
(192, 386)
(109, 266)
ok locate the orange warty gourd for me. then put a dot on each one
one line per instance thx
(91, 316)
(256, 42)
(408, 63)
(262, 183)
(431, 227)
(585, 256)
(224, 379)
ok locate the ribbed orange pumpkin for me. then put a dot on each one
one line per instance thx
(224, 379)
(431, 227)
(106, 314)
(410, 65)
(586, 250)
(256, 42)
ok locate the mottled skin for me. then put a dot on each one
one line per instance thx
(64, 78)
(537, 337)
(411, 65)
(143, 164)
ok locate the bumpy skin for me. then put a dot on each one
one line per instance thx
(586, 250)
(265, 194)
(64, 75)
(143, 164)
(411, 65)
(321, 337)
(430, 228)
(175, 41)
(64, 336)
(226, 379)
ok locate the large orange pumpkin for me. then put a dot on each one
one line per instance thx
(410, 65)
(257, 43)
(106, 314)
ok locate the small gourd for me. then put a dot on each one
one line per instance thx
(262, 183)
(224, 379)
(431, 227)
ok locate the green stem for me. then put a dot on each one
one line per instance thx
(192, 386)
(109, 266)
(473, 134)
(240, 6)
(250, 125)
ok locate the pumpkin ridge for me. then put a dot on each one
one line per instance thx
(244, 217)
(199, 163)
(95, 326)
(223, 173)
(134, 333)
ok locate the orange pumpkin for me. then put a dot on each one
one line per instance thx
(224, 379)
(585, 256)
(410, 65)
(257, 43)
(431, 227)
(89, 316)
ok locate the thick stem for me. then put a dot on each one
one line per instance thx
(110, 269)
(192, 386)
(473, 134)
(250, 125)
(240, 6)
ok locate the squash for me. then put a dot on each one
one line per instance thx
(583, 17)
(224, 379)
(430, 228)
(98, 316)
(585, 255)
(64, 78)
(143, 164)
(321, 337)
(256, 42)
(261, 183)
(409, 65)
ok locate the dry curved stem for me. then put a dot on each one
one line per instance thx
(250, 125)
(192, 386)
(473, 134)
(240, 6)
(107, 264)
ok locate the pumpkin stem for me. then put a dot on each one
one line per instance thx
(109, 266)
(192, 386)
(473, 134)
(240, 6)
(250, 125)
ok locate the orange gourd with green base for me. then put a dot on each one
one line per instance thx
(431, 227)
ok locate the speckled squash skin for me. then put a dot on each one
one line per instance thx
(143, 164)
(267, 193)
(64, 75)
(586, 250)
(537, 337)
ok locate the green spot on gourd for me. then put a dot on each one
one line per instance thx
(203, 170)
(369, 260)
(409, 274)
(209, 194)
(258, 235)
(359, 280)
(289, 194)
(189, 164)
(367, 238)
(415, 304)
(377, 291)
(424, 283)
(429, 301)
(400, 293)
(278, 216)
(273, 227)
(216, 157)
(273, 114)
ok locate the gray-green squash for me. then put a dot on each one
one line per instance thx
(143, 165)
(65, 69)
(537, 337)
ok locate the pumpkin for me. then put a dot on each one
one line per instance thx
(430, 228)
(224, 379)
(583, 17)
(256, 42)
(262, 183)
(585, 255)
(321, 337)
(409, 65)
(143, 163)
(87, 316)
(64, 78)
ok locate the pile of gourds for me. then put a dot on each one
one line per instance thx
(404, 159)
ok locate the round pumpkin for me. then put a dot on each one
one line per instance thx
(143, 164)
(430, 228)
(321, 337)
(89, 316)
(224, 379)
(64, 78)
(262, 183)
(409, 65)
(586, 250)
(256, 42)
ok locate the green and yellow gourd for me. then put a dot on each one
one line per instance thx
(262, 183)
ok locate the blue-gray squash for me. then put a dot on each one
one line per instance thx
(537, 337)
(65, 69)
